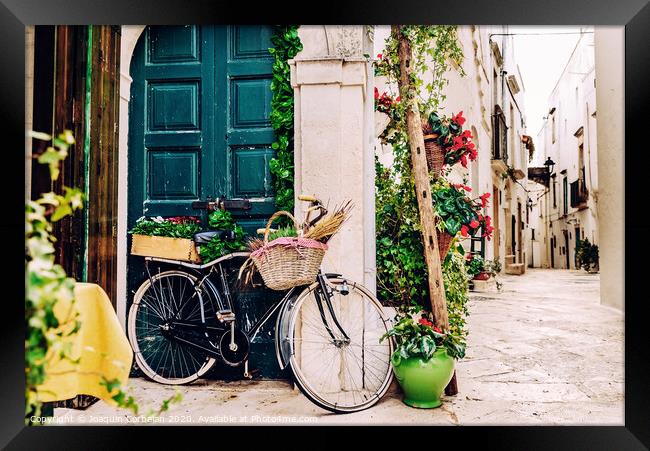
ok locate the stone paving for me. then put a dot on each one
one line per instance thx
(542, 351)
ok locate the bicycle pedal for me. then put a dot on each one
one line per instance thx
(225, 316)
(252, 373)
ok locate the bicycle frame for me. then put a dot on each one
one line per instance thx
(322, 294)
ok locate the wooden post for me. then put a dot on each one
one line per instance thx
(422, 184)
(423, 192)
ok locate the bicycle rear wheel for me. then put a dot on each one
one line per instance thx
(338, 374)
(167, 295)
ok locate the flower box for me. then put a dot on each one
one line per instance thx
(165, 247)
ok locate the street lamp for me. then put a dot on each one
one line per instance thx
(550, 164)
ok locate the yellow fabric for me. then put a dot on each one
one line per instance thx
(100, 343)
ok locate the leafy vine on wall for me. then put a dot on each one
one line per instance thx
(286, 46)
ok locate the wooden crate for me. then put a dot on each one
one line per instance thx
(165, 247)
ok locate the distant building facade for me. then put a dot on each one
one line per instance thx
(566, 209)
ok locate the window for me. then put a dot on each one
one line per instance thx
(565, 194)
(581, 163)
(495, 90)
(554, 193)
(553, 128)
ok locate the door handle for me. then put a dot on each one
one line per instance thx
(226, 204)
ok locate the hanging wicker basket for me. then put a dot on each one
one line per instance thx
(434, 153)
(288, 262)
(444, 243)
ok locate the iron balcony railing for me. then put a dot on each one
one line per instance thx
(579, 194)
(499, 135)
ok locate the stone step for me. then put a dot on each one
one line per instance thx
(515, 268)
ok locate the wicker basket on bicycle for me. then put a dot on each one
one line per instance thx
(288, 262)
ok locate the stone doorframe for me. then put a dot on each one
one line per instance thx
(334, 141)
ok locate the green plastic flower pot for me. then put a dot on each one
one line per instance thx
(423, 381)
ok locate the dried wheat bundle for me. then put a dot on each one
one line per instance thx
(328, 226)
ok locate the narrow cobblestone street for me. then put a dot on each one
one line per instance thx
(542, 351)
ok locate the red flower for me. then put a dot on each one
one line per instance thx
(464, 230)
(425, 322)
(398, 99)
(458, 118)
(463, 160)
(473, 154)
(484, 199)
(457, 143)
(376, 93)
(379, 55)
(468, 257)
(467, 188)
(437, 329)
(466, 133)
(474, 224)
(470, 145)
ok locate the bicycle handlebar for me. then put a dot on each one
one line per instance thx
(308, 198)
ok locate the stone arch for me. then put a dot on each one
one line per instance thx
(128, 41)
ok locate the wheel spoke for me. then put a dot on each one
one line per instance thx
(169, 295)
(341, 375)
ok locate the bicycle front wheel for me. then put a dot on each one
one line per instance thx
(340, 374)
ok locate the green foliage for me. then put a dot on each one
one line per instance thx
(46, 337)
(434, 48)
(493, 266)
(177, 227)
(282, 232)
(217, 247)
(458, 212)
(475, 265)
(456, 280)
(586, 255)
(421, 338)
(46, 281)
(286, 45)
(401, 269)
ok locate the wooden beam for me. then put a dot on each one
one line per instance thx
(422, 183)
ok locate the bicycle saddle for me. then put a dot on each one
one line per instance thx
(205, 237)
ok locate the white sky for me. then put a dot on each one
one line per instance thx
(541, 60)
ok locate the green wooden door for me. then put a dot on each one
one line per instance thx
(198, 128)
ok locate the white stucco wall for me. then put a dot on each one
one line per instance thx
(574, 100)
(610, 89)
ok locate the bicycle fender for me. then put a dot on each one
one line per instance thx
(282, 351)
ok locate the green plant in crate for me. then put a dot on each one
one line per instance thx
(217, 246)
(175, 227)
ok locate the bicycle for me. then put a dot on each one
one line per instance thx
(326, 333)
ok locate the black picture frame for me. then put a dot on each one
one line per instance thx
(633, 14)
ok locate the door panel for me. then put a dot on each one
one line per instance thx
(200, 127)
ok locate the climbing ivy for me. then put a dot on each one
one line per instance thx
(286, 45)
(401, 268)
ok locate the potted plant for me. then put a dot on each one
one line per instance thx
(457, 212)
(423, 360)
(587, 256)
(166, 237)
(445, 141)
(476, 267)
(384, 110)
